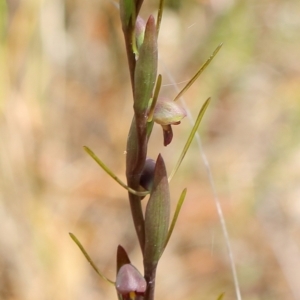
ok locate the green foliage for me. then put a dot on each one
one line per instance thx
(191, 137)
(112, 174)
(157, 215)
(145, 72)
(176, 214)
(199, 72)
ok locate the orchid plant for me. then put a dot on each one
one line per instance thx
(147, 179)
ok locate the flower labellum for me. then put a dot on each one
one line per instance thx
(168, 112)
(168, 134)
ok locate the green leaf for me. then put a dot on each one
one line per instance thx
(157, 216)
(145, 71)
(176, 214)
(111, 174)
(74, 238)
(202, 68)
(190, 138)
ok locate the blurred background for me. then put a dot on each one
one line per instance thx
(64, 83)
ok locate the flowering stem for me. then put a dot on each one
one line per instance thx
(138, 218)
(150, 276)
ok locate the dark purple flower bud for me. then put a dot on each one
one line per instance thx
(130, 281)
(146, 180)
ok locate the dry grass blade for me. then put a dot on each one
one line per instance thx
(159, 16)
(203, 67)
(190, 138)
(74, 238)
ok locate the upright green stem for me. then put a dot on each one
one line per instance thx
(134, 165)
(150, 275)
(130, 58)
(138, 218)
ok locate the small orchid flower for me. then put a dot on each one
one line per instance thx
(130, 282)
(167, 113)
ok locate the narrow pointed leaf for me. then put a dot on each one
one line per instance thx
(176, 214)
(74, 238)
(157, 216)
(145, 71)
(111, 174)
(190, 138)
(203, 67)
